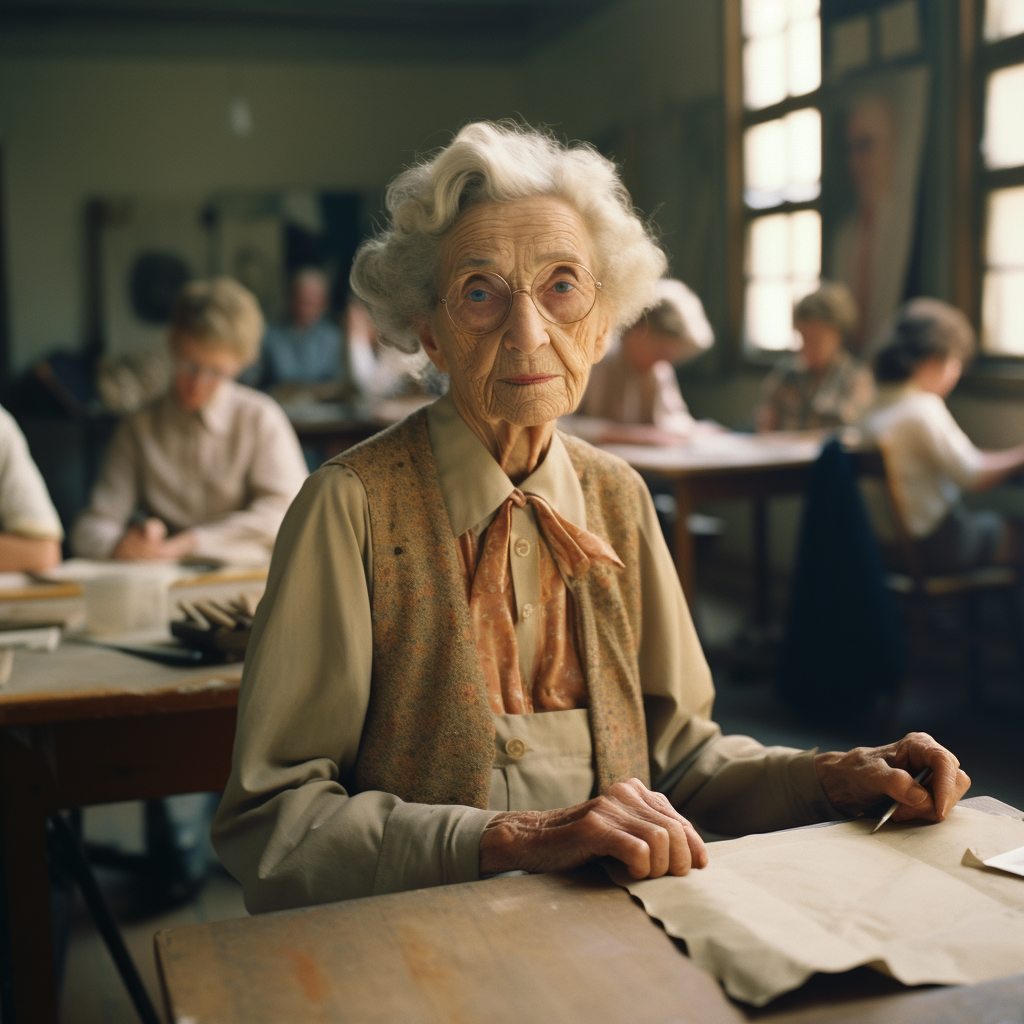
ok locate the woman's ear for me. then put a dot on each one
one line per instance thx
(604, 336)
(425, 333)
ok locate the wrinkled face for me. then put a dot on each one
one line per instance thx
(199, 370)
(528, 371)
(821, 344)
(309, 301)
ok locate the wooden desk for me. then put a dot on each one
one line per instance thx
(84, 725)
(728, 466)
(336, 426)
(571, 948)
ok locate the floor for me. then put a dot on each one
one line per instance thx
(987, 738)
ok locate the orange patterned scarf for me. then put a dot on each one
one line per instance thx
(566, 552)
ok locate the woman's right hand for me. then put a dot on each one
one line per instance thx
(629, 822)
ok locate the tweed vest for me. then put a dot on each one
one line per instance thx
(428, 736)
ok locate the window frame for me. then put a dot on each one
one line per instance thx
(738, 214)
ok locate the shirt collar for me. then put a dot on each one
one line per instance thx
(473, 486)
(216, 414)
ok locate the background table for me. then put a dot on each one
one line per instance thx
(751, 467)
(85, 725)
(571, 948)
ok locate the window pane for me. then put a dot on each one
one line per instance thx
(1004, 235)
(763, 17)
(804, 56)
(1004, 117)
(783, 264)
(1003, 18)
(782, 159)
(1002, 313)
(803, 128)
(782, 53)
(764, 71)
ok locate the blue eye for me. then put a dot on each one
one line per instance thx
(478, 295)
(563, 286)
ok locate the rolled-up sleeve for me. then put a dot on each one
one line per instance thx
(288, 828)
(727, 784)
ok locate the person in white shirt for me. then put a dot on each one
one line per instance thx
(931, 460)
(30, 530)
(633, 394)
(209, 469)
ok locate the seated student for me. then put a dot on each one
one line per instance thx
(932, 461)
(30, 530)
(209, 469)
(309, 348)
(824, 386)
(635, 384)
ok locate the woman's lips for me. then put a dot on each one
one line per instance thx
(529, 378)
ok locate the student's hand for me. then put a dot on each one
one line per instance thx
(629, 822)
(148, 542)
(856, 780)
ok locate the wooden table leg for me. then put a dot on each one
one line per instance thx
(685, 553)
(24, 787)
(762, 582)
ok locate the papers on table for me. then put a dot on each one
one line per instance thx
(771, 910)
(1012, 862)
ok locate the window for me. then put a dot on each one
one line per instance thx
(781, 165)
(1002, 149)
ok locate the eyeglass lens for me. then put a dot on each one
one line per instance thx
(563, 293)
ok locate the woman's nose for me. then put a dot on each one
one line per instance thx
(525, 329)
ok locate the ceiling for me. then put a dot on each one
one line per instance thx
(344, 28)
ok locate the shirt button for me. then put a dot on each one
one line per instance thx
(515, 748)
(522, 547)
(527, 610)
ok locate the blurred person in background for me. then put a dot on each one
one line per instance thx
(309, 349)
(929, 459)
(633, 394)
(823, 385)
(30, 530)
(207, 471)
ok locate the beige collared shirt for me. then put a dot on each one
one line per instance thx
(227, 473)
(289, 830)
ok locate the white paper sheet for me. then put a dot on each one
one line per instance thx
(771, 910)
(1012, 861)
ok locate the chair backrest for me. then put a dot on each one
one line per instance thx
(876, 463)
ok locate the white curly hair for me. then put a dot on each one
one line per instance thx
(396, 273)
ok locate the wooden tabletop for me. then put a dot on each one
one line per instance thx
(570, 948)
(723, 453)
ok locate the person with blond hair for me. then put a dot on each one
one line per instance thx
(209, 469)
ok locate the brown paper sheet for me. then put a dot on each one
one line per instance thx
(771, 910)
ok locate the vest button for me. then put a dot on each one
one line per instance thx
(527, 610)
(522, 547)
(515, 748)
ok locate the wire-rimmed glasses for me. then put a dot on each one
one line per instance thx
(479, 302)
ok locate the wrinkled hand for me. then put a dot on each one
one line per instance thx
(629, 822)
(149, 543)
(861, 777)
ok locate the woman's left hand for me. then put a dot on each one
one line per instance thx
(856, 780)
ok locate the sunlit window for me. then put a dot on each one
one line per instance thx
(1003, 18)
(781, 51)
(782, 159)
(783, 265)
(1004, 118)
(1003, 292)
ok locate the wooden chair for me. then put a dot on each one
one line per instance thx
(924, 591)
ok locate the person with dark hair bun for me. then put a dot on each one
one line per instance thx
(931, 460)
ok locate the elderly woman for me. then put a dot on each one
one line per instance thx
(473, 654)
(824, 386)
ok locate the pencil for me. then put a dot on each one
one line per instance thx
(921, 777)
